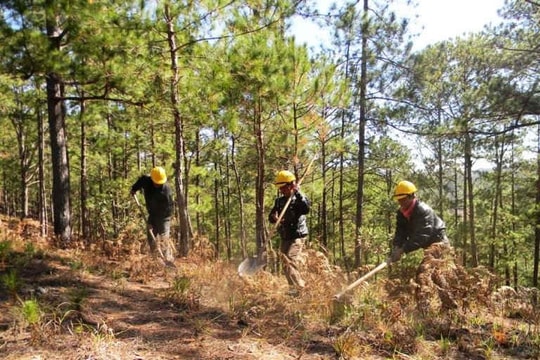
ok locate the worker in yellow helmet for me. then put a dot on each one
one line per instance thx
(417, 225)
(293, 228)
(159, 204)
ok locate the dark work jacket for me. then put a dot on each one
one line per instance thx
(159, 200)
(422, 229)
(294, 223)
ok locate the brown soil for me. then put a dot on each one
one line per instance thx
(131, 307)
(109, 302)
(125, 319)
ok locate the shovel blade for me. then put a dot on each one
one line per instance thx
(251, 265)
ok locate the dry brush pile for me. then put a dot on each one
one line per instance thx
(423, 308)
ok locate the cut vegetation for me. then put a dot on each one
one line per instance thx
(112, 303)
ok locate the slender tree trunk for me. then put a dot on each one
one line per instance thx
(60, 167)
(57, 129)
(324, 215)
(43, 220)
(238, 182)
(334, 216)
(184, 232)
(468, 168)
(537, 227)
(509, 271)
(464, 232)
(456, 205)
(390, 216)
(226, 200)
(440, 171)
(217, 217)
(262, 241)
(85, 218)
(197, 181)
(152, 145)
(495, 204)
(23, 165)
(341, 211)
(113, 176)
(361, 139)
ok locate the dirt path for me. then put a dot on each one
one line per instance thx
(116, 315)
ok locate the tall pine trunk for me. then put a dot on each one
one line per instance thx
(43, 219)
(470, 194)
(341, 211)
(262, 241)
(85, 216)
(58, 136)
(184, 232)
(226, 199)
(537, 228)
(324, 205)
(60, 167)
(238, 183)
(217, 212)
(361, 139)
(499, 152)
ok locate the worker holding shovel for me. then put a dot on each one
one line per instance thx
(159, 204)
(292, 227)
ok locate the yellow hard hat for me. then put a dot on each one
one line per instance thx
(404, 189)
(158, 175)
(284, 177)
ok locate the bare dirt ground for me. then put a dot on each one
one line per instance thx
(99, 306)
(112, 303)
(126, 319)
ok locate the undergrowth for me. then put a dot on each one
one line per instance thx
(407, 311)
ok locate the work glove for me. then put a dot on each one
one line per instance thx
(396, 253)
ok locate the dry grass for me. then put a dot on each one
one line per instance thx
(112, 302)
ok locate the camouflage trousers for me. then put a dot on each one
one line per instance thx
(159, 239)
(291, 253)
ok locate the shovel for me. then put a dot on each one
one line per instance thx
(251, 265)
(158, 247)
(363, 278)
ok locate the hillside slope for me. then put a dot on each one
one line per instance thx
(113, 303)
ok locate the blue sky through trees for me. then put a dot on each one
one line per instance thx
(437, 20)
